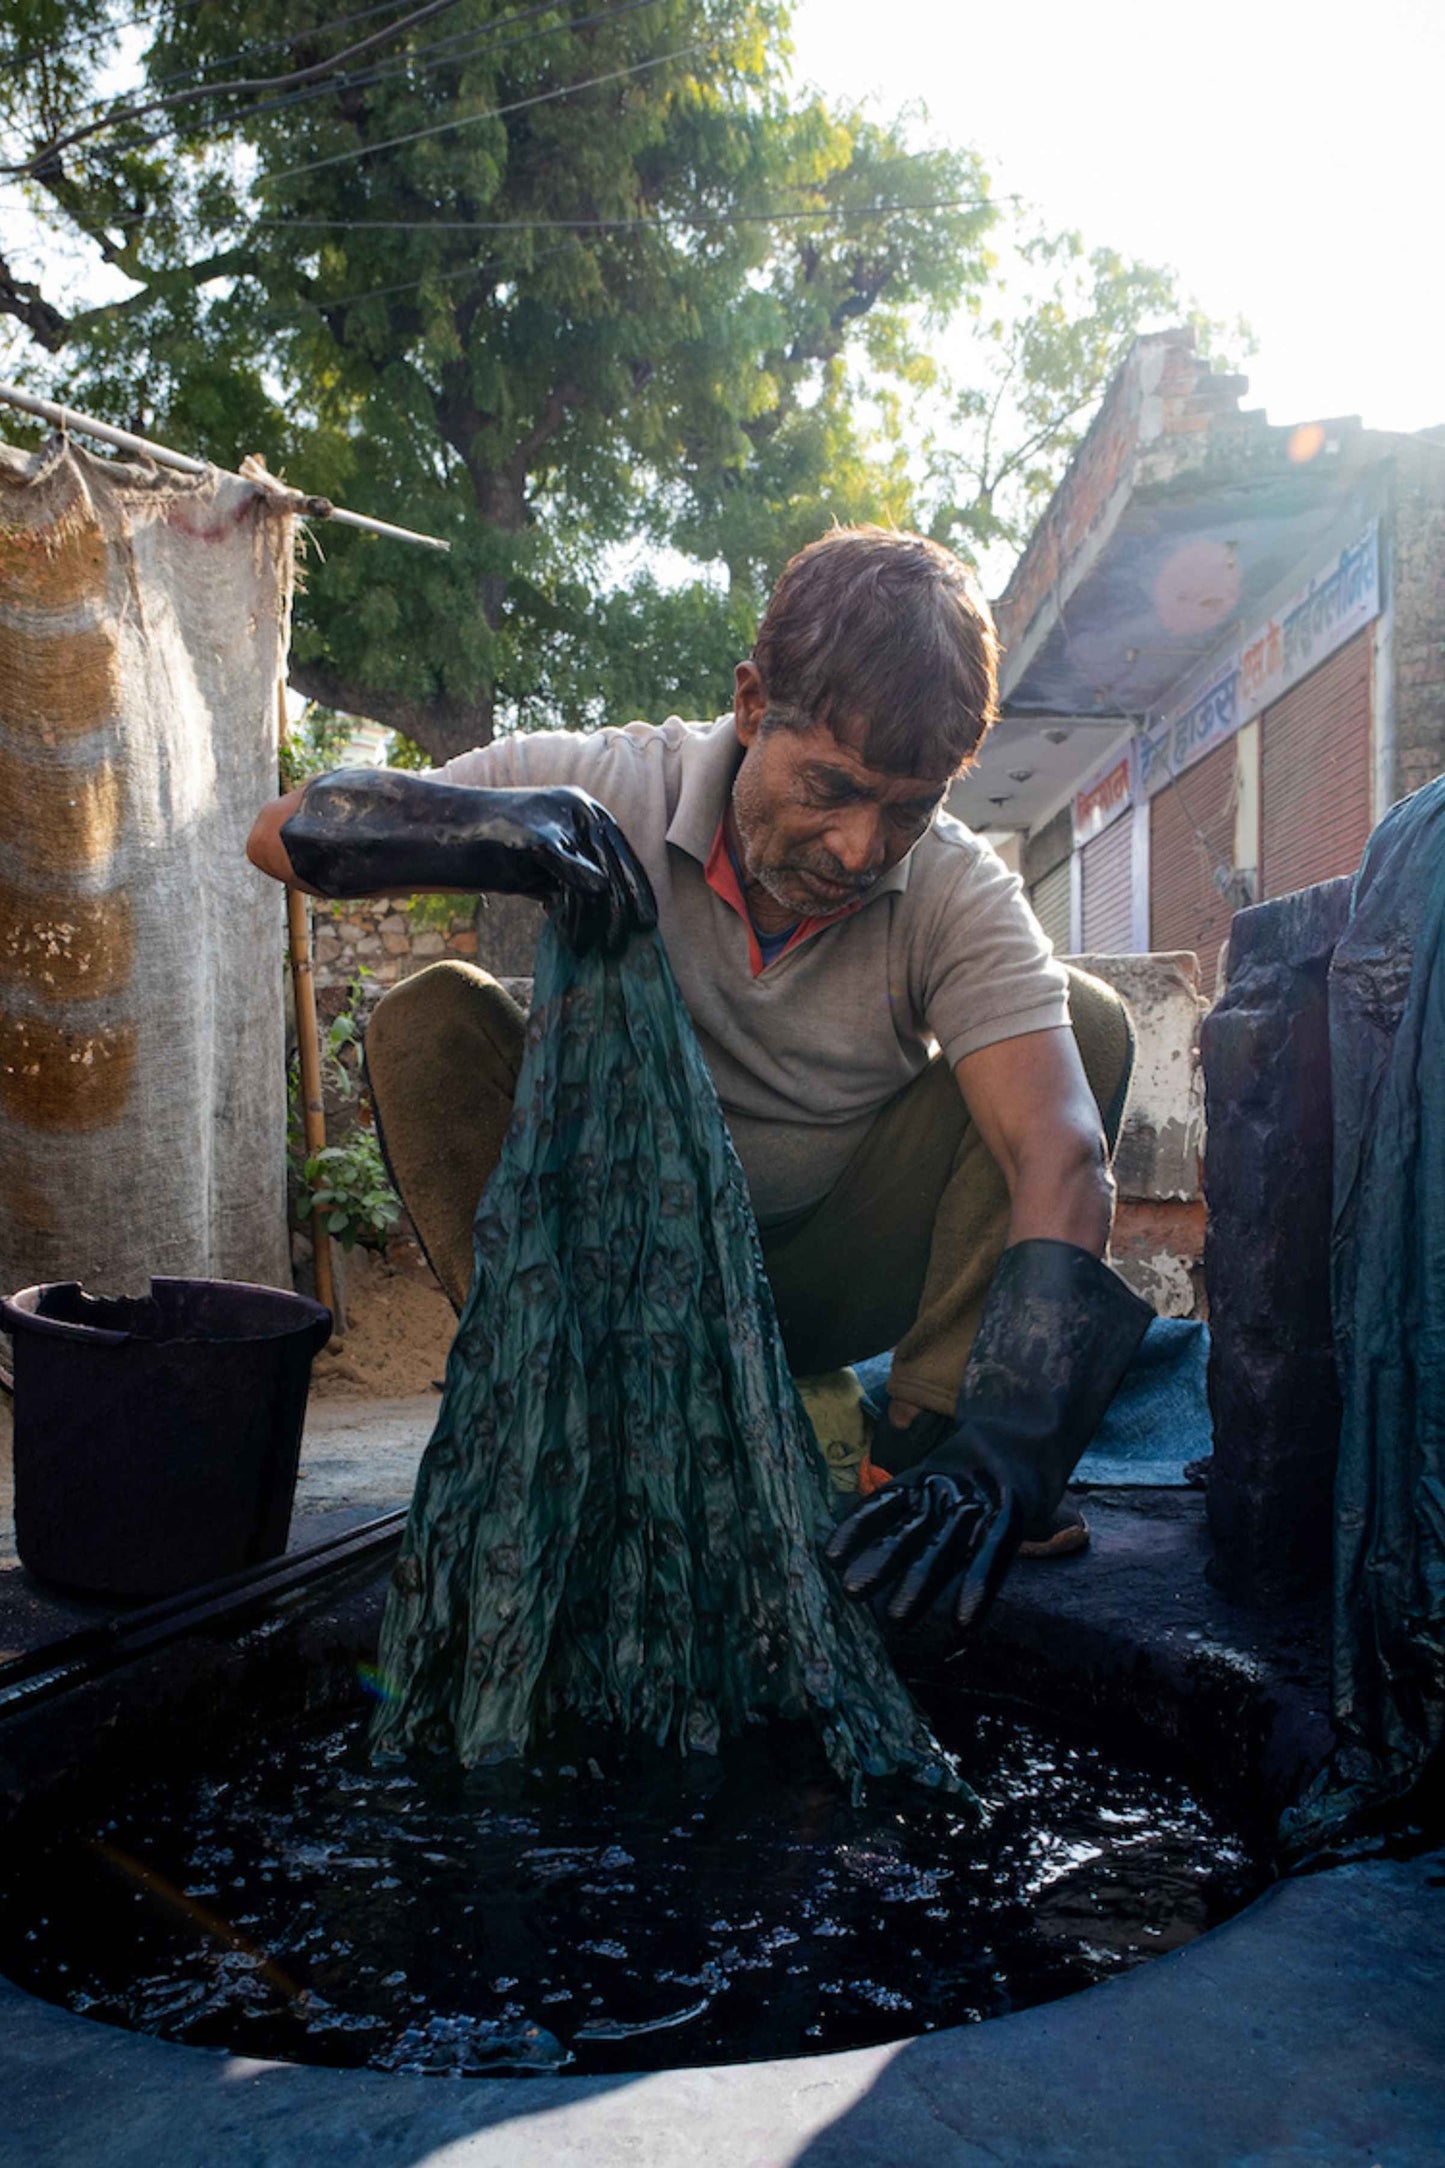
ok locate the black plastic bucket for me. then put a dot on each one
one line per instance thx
(157, 1436)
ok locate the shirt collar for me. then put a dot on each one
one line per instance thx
(710, 758)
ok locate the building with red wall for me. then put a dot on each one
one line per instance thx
(1224, 659)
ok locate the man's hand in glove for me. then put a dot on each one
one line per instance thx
(598, 894)
(1058, 1331)
(944, 1534)
(374, 831)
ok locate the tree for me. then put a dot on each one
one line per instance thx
(1041, 359)
(541, 280)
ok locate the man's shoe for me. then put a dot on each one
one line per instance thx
(1061, 1537)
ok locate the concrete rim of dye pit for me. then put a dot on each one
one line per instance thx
(1310, 2027)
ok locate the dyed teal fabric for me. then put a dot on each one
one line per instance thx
(1387, 1042)
(619, 1515)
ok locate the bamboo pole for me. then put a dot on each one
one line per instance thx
(65, 418)
(308, 1048)
(313, 1110)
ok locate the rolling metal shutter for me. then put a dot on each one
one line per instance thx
(1108, 891)
(1050, 899)
(1191, 831)
(1314, 779)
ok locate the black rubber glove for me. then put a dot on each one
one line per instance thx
(1058, 1331)
(363, 831)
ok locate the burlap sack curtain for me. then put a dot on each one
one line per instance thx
(143, 621)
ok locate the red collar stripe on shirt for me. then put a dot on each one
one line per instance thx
(722, 879)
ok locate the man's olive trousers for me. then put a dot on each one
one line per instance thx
(899, 1254)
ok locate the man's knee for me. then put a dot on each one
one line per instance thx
(449, 1019)
(442, 1056)
(1104, 1033)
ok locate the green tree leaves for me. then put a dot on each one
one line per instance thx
(543, 281)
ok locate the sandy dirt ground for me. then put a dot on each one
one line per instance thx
(399, 1326)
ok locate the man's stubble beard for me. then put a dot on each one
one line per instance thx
(778, 878)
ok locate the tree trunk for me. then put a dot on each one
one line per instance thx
(442, 727)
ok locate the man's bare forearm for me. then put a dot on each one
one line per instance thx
(1065, 1199)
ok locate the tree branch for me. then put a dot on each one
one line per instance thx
(159, 283)
(555, 408)
(440, 724)
(30, 167)
(1043, 437)
(23, 300)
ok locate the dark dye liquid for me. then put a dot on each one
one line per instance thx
(296, 1902)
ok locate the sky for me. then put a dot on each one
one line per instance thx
(1286, 159)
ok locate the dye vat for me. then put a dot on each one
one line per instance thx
(282, 1897)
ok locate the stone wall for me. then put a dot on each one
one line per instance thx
(383, 938)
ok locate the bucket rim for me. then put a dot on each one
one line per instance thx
(19, 1314)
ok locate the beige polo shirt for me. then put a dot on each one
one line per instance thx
(943, 953)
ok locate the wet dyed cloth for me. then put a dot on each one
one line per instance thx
(618, 1518)
(1387, 1259)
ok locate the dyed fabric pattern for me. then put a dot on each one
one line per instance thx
(619, 1514)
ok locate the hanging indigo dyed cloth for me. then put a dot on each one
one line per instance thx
(618, 1517)
(1387, 1046)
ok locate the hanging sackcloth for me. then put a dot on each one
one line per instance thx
(618, 1518)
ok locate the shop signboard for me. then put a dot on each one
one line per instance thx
(1103, 799)
(1171, 746)
(1318, 618)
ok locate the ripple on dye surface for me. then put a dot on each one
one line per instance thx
(294, 1901)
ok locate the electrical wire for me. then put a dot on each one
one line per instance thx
(222, 60)
(447, 52)
(469, 120)
(411, 286)
(65, 141)
(284, 44)
(54, 46)
(612, 225)
(573, 226)
(453, 50)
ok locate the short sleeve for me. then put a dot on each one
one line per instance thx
(988, 969)
(525, 760)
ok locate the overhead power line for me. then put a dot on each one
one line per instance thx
(613, 225)
(51, 47)
(73, 136)
(450, 51)
(285, 43)
(114, 25)
(470, 120)
(438, 52)
(845, 215)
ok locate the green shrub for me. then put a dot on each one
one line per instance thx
(347, 1185)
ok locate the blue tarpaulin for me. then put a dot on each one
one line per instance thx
(1157, 1422)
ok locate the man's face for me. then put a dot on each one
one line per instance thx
(816, 827)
